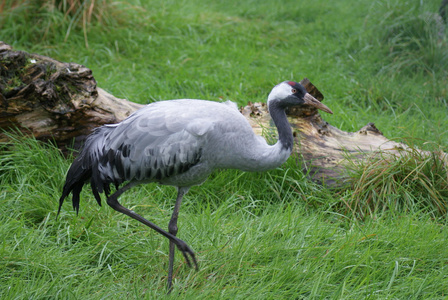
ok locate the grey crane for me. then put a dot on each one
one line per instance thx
(179, 143)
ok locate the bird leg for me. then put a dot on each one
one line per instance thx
(181, 245)
(172, 228)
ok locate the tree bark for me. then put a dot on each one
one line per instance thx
(53, 100)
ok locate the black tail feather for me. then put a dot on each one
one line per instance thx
(74, 184)
(75, 199)
(61, 201)
(82, 169)
(95, 191)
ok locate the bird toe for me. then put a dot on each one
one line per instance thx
(187, 253)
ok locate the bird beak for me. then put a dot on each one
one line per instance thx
(310, 100)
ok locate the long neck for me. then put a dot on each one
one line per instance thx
(278, 115)
(252, 153)
(261, 156)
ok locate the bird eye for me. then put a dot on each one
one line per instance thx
(293, 91)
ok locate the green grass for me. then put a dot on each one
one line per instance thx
(272, 235)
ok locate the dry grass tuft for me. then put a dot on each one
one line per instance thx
(411, 180)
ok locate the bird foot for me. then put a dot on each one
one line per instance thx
(187, 253)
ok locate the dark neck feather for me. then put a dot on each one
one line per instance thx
(278, 115)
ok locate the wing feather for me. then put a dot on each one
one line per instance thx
(153, 144)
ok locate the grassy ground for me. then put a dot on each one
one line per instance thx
(272, 235)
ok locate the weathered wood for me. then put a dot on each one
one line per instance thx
(53, 100)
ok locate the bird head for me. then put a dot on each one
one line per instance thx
(290, 93)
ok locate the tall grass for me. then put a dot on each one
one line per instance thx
(55, 18)
(416, 40)
(29, 174)
(253, 238)
(410, 181)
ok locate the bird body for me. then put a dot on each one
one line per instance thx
(179, 143)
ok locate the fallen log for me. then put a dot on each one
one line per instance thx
(53, 100)
(58, 101)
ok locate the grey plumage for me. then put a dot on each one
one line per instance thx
(179, 143)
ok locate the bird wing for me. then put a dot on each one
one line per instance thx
(161, 140)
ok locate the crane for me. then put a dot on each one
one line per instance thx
(179, 143)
